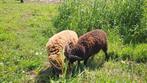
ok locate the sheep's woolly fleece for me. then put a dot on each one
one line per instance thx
(88, 45)
(56, 45)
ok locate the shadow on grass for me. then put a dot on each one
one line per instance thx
(45, 76)
(94, 63)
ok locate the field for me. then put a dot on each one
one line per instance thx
(25, 29)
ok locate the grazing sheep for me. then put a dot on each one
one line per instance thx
(87, 45)
(55, 47)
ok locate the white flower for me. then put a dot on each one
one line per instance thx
(36, 53)
(1, 63)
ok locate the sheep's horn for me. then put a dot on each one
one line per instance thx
(75, 57)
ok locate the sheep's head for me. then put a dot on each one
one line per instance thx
(71, 53)
(57, 63)
(56, 59)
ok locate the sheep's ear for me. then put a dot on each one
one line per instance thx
(75, 57)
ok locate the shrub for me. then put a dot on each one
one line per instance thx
(83, 16)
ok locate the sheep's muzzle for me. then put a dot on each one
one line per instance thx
(56, 62)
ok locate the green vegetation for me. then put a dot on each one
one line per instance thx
(25, 29)
(124, 21)
(125, 15)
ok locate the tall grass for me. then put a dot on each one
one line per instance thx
(123, 20)
(82, 16)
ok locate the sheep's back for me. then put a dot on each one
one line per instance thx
(93, 41)
(63, 38)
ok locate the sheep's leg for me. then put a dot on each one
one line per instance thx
(69, 68)
(78, 66)
(85, 62)
(78, 63)
(106, 54)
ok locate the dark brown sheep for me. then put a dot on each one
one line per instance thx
(88, 45)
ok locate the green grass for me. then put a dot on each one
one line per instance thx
(113, 72)
(24, 31)
(82, 16)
